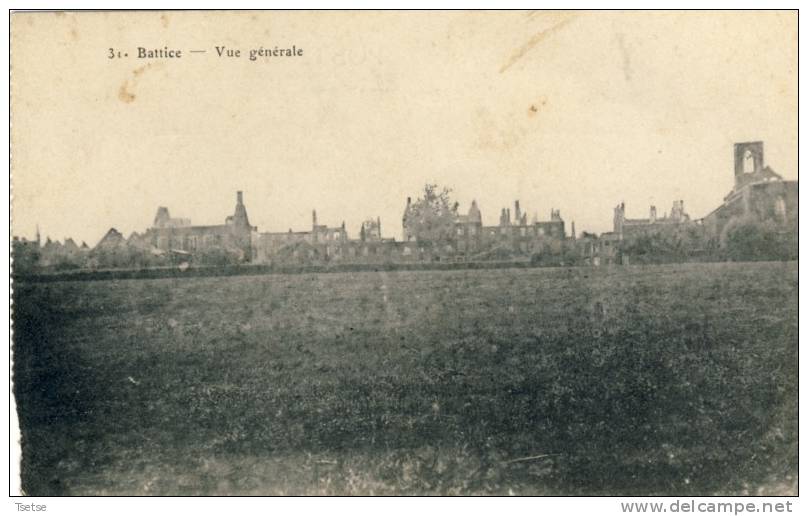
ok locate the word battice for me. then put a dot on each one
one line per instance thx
(158, 53)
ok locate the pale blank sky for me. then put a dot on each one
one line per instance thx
(576, 111)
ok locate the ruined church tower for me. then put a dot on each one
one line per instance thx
(240, 218)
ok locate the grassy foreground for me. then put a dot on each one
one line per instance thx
(642, 380)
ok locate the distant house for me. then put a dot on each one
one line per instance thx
(371, 230)
(111, 240)
(178, 235)
(321, 243)
(512, 236)
(626, 228)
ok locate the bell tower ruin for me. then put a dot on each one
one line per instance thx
(748, 160)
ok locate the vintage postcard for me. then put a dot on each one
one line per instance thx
(405, 252)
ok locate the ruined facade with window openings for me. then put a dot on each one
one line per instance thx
(513, 233)
(178, 235)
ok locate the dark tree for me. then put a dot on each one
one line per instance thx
(25, 255)
(750, 240)
(431, 217)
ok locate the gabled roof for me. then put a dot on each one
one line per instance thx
(70, 245)
(112, 239)
(765, 174)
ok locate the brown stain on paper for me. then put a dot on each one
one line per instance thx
(125, 93)
(536, 107)
(506, 132)
(532, 42)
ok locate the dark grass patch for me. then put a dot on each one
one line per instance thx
(653, 380)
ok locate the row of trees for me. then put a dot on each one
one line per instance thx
(132, 257)
(743, 239)
(751, 240)
(29, 257)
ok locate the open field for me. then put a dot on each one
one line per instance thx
(640, 380)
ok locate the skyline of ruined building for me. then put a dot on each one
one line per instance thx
(759, 194)
(753, 180)
(371, 226)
